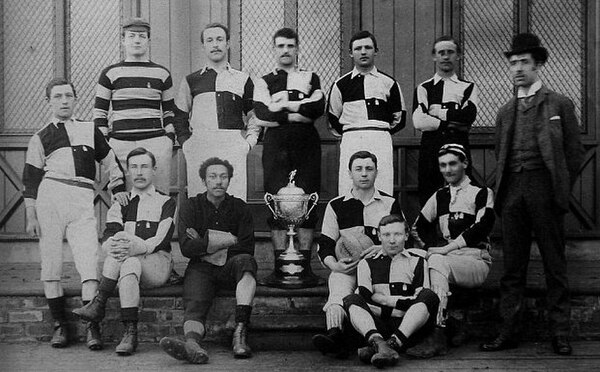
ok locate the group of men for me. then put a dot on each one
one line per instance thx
(394, 297)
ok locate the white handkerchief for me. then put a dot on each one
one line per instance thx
(555, 117)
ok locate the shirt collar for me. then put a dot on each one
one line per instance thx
(276, 70)
(150, 191)
(437, 78)
(376, 196)
(373, 72)
(465, 182)
(206, 68)
(56, 120)
(533, 89)
(404, 253)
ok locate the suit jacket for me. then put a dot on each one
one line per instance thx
(558, 139)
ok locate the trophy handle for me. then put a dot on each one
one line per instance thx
(268, 200)
(312, 198)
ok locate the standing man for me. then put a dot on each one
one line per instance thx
(59, 176)
(464, 215)
(217, 234)
(291, 100)
(140, 94)
(209, 120)
(393, 306)
(348, 233)
(539, 151)
(137, 241)
(366, 107)
(444, 109)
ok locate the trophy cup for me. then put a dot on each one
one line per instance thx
(291, 206)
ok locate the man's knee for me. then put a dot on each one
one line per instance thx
(354, 299)
(242, 264)
(131, 266)
(429, 299)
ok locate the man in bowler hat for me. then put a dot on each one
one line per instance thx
(538, 153)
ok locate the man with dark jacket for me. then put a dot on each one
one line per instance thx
(216, 233)
(539, 152)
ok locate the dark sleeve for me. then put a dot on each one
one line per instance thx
(423, 230)
(181, 122)
(248, 96)
(326, 247)
(114, 220)
(101, 147)
(168, 102)
(167, 215)
(262, 98)
(465, 115)
(101, 104)
(395, 102)
(313, 109)
(572, 145)
(190, 247)
(484, 219)
(245, 231)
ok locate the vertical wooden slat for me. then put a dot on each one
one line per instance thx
(350, 25)
(180, 40)
(383, 30)
(160, 36)
(2, 67)
(200, 17)
(366, 15)
(290, 14)
(522, 15)
(404, 69)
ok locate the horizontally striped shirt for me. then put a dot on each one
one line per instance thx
(458, 99)
(397, 277)
(69, 151)
(141, 96)
(464, 214)
(366, 101)
(345, 212)
(297, 86)
(209, 100)
(149, 215)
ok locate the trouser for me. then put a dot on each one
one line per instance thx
(224, 144)
(529, 207)
(430, 179)
(160, 147)
(67, 210)
(202, 280)
(294, 146)
(340, 285)
(377, 142)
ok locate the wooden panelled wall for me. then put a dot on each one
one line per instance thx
(405, 30)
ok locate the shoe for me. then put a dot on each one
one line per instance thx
(502, 342)
(329, 343)
(366, 353)
(93, 336)
(189, 350)
(457, 332)
(561, 345)
(129, 342)
(59, 337)
(239, 342)
(92, 312)
(435, 343)
(385, 355)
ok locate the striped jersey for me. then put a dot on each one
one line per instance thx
(297, 86)
(366, 101)
(464, 214)
(209, 100)
(141, 96)
(397, 277)
(458, 99)
(149, 215)
(69, 151)
(345, 212)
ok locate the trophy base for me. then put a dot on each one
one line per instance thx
(292, 274)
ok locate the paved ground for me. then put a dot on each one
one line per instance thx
(529, 357)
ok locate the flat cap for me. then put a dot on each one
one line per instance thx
(136, 24)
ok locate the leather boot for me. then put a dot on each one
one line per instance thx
(190, 350)
(129, 342)
(93, 336)
(59, 337)
(434, 344)
(330, 342)
(240, 341)
(94, 311)
(366, 353)
(385, 355)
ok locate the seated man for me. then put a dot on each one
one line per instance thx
(217, 233)
(348, 233)
(393, 300)
(464, 215)
(137, 241)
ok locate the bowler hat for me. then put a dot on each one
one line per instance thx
(136, 24)
(528, 43)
